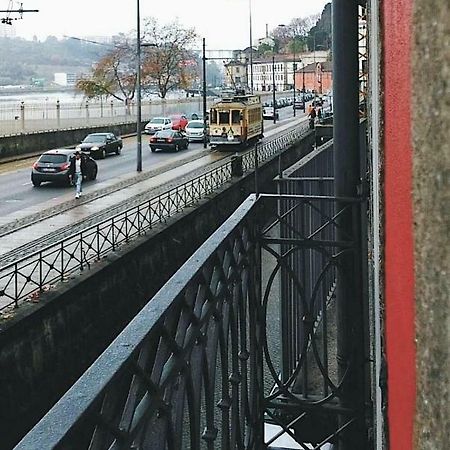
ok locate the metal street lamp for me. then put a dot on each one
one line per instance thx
(294, 65)
(138, 93)
(251, 45)
(273, 91)
(138, 87)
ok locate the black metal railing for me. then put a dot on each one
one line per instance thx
(200, 366)
(36, 272)
(186, 372)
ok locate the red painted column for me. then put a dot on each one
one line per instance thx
(399, 258)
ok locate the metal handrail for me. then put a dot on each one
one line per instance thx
(36, 272)
(200, 361)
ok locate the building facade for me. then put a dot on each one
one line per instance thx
(317, 77)
(278, 71)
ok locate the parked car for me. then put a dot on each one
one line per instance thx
(179, 121)
(99, 145)
(194, 130)
(158, 124)
(299, 104)
(54, 166)
(168, 140)
(268, 113)
(199, 116)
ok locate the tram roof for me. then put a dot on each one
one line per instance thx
(247, 99)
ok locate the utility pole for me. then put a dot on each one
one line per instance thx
(8, 20)
(205, 128)
(294, 67)
(138, 82)
(273, 91)
(251, 45)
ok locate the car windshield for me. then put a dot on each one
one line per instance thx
(95, 138)
(165, 133)
(52, 158)
(157, 120)
(195, 125)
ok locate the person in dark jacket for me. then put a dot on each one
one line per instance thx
(77, 170)
(312, 117)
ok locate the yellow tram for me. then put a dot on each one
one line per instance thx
(236, 121)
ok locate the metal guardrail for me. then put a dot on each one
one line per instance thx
(197, 368)
(27, 277)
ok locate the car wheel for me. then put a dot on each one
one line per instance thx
(118, 150)
(36, 183)
(187, 144)
(177, 148)
(103, 153)
(153, 149)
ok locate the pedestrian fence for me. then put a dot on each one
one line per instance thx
(27, 277)
(26, 117)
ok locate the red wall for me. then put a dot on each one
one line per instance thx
(399, 260)
(327, 81)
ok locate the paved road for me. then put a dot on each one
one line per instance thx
(17, 192)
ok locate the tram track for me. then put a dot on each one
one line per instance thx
(109, 212)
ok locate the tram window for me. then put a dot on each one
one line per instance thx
(213, 116)
(224, 117)
(236, 115)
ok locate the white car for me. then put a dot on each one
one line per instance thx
(194, 130)
(158, 124)
(268, 113)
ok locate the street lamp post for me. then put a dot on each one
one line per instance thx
(138, 93)
(294, 66)
(273, 91)
(205, 143)
(251, 45)
(138, 88)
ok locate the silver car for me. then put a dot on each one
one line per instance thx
(194, 130)
(158, 124)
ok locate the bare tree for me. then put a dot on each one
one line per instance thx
(169, 64)
(300, 26)
(114, 75)
(166, 65)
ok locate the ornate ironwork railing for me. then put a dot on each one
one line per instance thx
(201, 366)
(27, 277)
(186, 372)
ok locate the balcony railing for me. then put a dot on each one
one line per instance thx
(203, 366)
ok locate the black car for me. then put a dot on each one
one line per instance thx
(169, 139)
(99, 145)
(299, 104)
(54, 166)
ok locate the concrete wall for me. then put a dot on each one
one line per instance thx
(48, 346)
(431, 197)
(20, 145)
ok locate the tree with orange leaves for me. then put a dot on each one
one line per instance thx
(165, 64)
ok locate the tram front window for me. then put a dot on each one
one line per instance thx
(224, 117)
(236, 115)
(213, 116)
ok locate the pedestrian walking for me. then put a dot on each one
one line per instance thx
(76, 171)
(312, 117)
